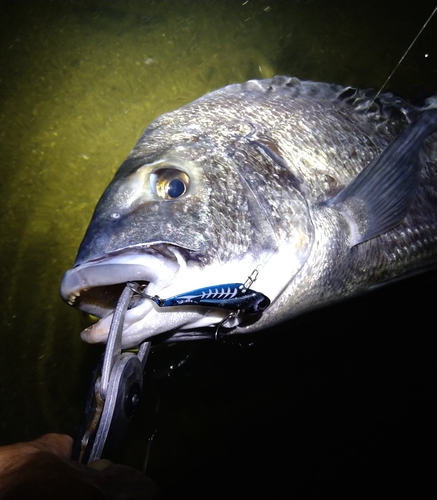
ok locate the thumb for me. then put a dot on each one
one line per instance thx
(59, 444)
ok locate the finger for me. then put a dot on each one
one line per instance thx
(60, 445)
(100, 464)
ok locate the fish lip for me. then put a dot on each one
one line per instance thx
(95, 286)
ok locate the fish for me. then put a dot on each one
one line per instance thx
(307, 193)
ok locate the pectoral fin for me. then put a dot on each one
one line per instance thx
(378, 199)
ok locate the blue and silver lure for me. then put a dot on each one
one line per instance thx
(231, 296)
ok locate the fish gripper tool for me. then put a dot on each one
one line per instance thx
(113, 395)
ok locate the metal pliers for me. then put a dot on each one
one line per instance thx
(114, 394)
(117, 379)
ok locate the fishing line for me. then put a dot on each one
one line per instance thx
(402, 58)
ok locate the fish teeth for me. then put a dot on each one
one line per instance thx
(72, 297)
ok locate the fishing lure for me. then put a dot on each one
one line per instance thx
(231, 296)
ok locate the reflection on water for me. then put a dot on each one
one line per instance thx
(79, 81)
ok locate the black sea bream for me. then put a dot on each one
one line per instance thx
(314, 190)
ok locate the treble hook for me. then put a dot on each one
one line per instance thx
(232, 314)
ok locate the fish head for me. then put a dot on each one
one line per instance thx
(195, 204)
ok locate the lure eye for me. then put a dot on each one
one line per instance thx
(169, 183)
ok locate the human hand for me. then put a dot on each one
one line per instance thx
(42, 468)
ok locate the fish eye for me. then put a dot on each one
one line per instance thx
(169, 183)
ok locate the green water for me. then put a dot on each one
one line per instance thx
(79, 82)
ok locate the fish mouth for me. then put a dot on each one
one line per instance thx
(95, 287)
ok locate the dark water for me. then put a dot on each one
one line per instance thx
(339, 403)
